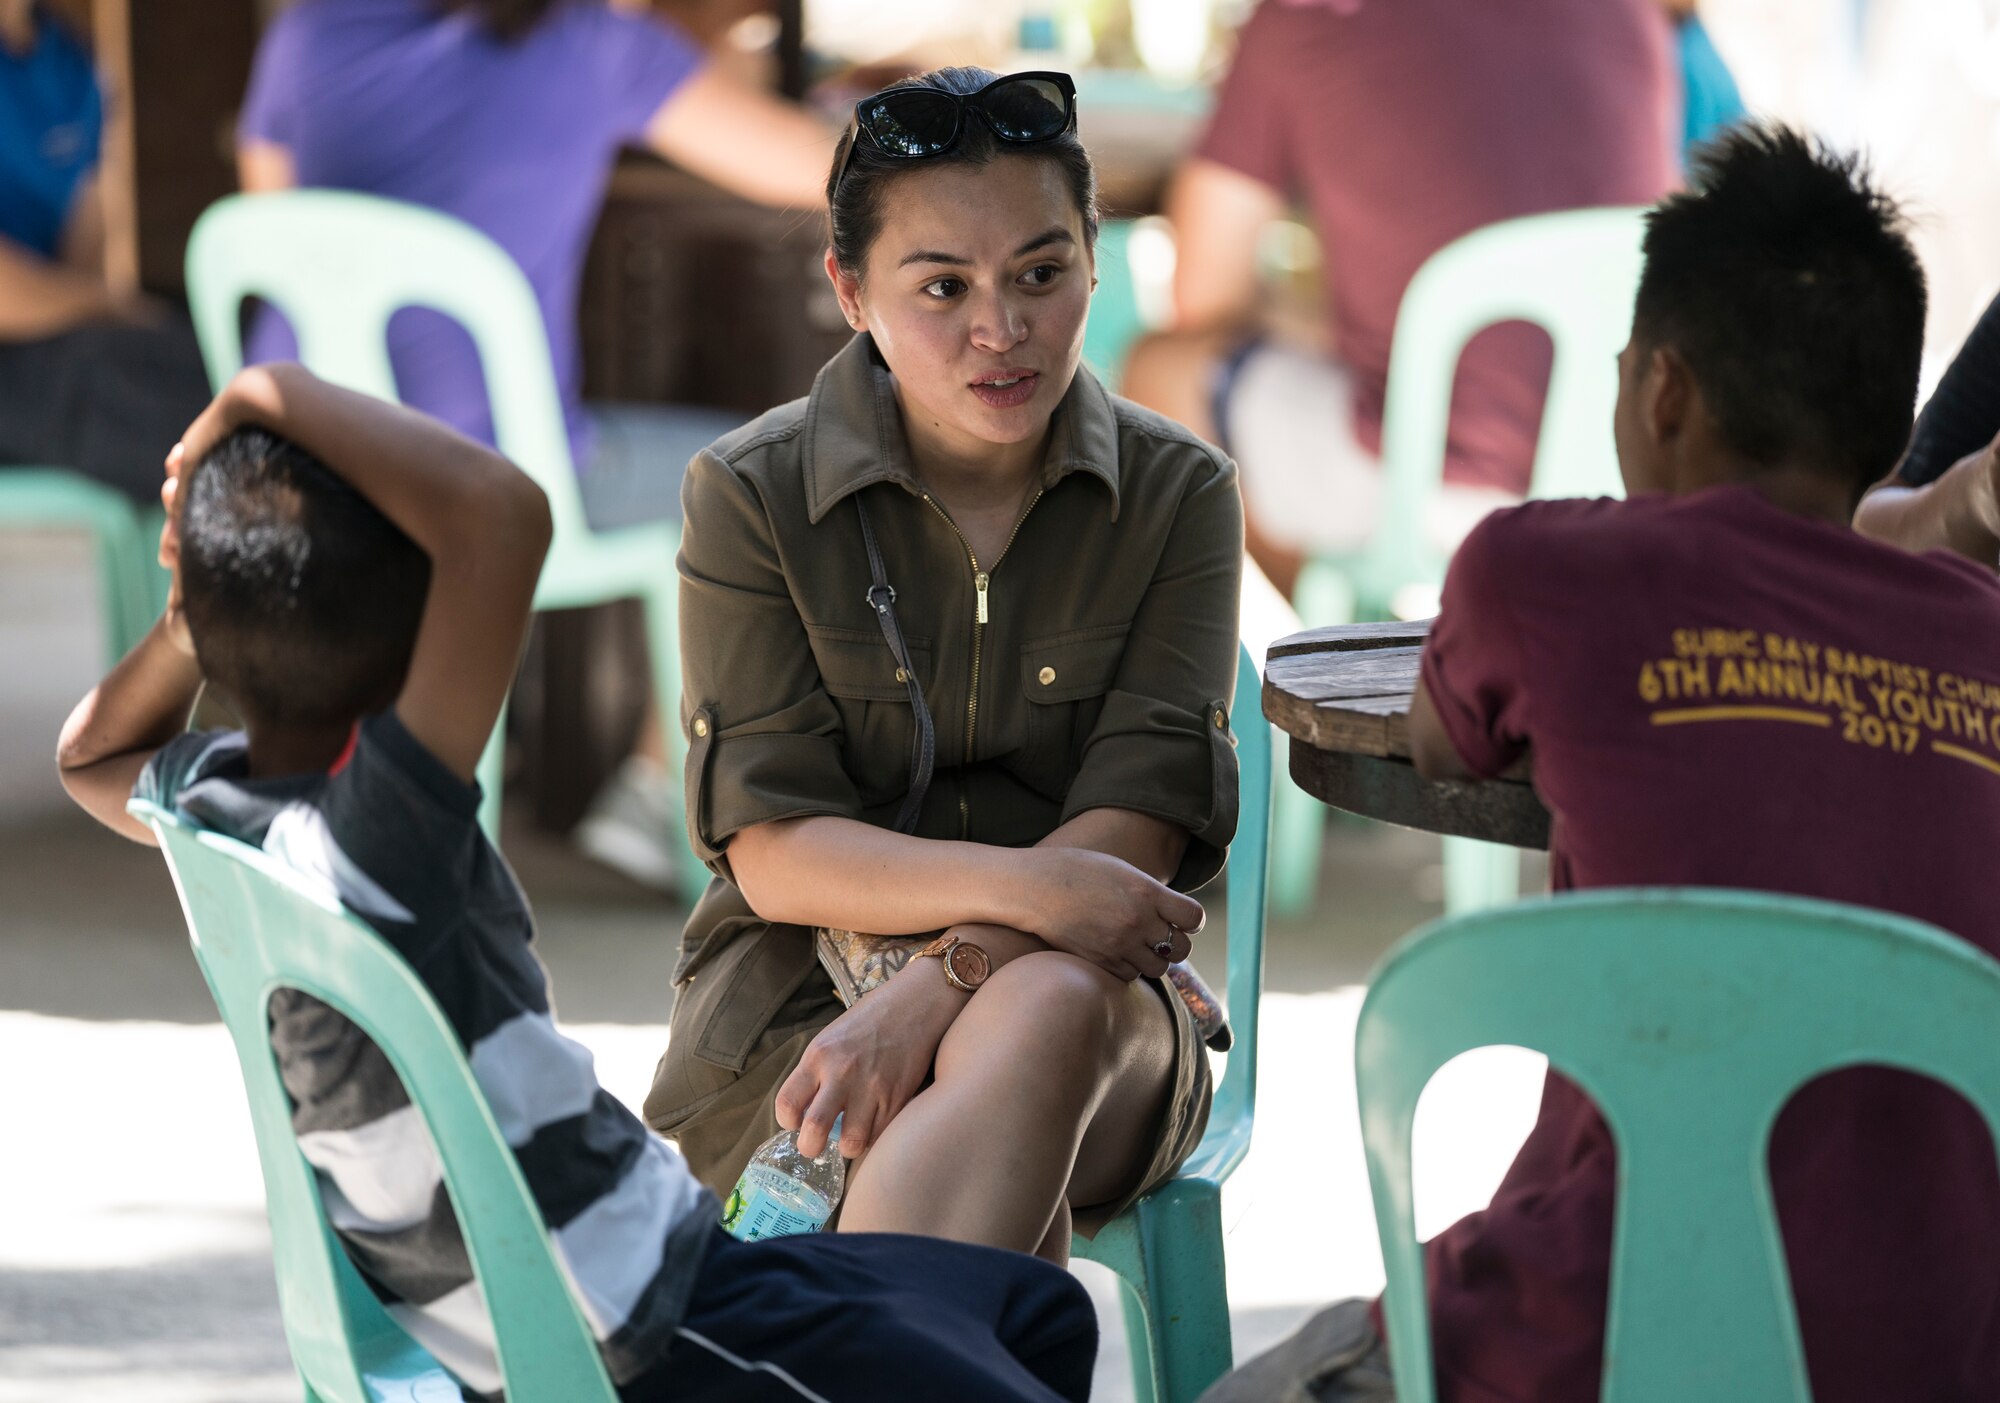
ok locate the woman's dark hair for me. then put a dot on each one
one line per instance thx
(854, 198)
(508, 19)
(1785, 279)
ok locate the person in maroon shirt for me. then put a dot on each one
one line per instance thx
(1399, 125)
(1722, 684)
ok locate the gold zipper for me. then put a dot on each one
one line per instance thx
(982, 580)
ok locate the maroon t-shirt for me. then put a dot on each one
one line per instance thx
(1719, 693)
(1403, 124)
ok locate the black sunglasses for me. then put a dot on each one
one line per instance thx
(910, 123)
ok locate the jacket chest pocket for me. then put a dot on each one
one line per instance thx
(860, 674)
(1064, 679)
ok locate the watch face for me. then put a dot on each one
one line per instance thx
(969, 963)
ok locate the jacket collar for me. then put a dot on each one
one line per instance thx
(854, 432)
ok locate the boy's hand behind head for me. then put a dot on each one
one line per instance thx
(226, 413)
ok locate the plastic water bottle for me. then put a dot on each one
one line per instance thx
(783, 1192)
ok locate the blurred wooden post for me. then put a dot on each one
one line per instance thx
(117, 174)
(792, 48)
(174, 72)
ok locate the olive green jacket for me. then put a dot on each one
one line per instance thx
(1091, 666)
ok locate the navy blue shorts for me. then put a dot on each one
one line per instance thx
(866, 1317)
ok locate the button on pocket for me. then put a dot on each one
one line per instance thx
(858, 666)
(871, 693)
(1064, 678)
(1070, 666)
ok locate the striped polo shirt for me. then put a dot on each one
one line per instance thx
(394, 835)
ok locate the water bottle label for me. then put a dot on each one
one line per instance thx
(767, 1203)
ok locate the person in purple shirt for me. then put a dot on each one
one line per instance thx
(509, 114)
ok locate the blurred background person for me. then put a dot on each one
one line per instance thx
(1399, 127)
(509, 114)
(93, 378)
(1710, 99)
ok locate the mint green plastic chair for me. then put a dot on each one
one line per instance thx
(1167, 1248)
(1690, 1017)
(57, 499)
(1574, 273)
(257, 927)
(338, 265)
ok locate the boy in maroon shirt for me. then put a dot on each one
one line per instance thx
(1722, 685)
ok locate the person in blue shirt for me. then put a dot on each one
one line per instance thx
(92, 377)
(1711, 101)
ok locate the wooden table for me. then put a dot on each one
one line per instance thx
(1343, 695)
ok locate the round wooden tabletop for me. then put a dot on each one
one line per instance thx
(1343, 695)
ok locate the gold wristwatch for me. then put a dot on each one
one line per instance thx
(965, 964)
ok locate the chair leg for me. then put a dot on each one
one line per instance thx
(115, 582)
(664, 644)
(121, 566)
(1167, 1253)
(1479, 875)
(1188, 1293)
(1139, 1342)
(1298, 842)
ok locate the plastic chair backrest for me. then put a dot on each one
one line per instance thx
(1574, 273)
(257, 926)
(339, 264)
(1690, 1017)
(1246, 884)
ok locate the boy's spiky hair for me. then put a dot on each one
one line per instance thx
(1785, 279)
(302, 599)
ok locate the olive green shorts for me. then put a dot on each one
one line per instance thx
(745, 1017)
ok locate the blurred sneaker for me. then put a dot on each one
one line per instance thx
(630, 826)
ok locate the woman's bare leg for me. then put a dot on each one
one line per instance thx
(1048, 1090)
(1055, 1242)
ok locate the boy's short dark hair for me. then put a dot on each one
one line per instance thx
(302, 599)
(1785, 280)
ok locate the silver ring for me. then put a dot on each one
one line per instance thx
(1165, 949)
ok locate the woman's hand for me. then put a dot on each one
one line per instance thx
(869, 1062)
(1105, 910)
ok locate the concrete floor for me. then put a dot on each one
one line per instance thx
(134, 1257)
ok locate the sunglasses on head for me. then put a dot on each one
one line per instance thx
(913, 122)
